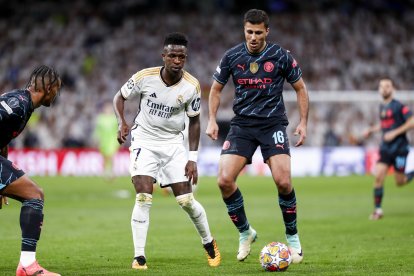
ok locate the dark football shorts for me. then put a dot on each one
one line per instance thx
(9, 172)
(244, 140)
(398, 158)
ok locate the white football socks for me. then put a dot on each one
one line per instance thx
(27, 258)
(197, 215)
(140, 222)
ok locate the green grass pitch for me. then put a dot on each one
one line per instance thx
(87, 228)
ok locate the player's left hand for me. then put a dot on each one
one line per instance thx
(389, 136)
(301, 131)
(4, 200)
(191, 172)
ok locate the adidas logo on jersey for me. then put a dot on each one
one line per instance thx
(153, 95)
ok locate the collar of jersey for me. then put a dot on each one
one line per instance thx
(255, 54)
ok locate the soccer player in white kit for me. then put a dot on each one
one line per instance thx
(157, 153)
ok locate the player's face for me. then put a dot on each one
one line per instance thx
(255, 35)
(174, 57)
(386, 89)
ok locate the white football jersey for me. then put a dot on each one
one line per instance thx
(163, 108)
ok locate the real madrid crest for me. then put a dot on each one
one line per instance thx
(180, 99)
(254, 67)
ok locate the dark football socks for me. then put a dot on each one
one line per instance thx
(378, 194)
(287, 204)
(235, 209)
(31, 219)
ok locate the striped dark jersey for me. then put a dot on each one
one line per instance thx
(393, 115)
(16, 107)
(258, 80)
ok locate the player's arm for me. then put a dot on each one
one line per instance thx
(372, 129)
(194, 133)
(3, 199)
(119, 106)
(4, 152)
(213, 106)
(5, 121)
(392, 134)
(193, 140)
(303, 105)
(4, 117)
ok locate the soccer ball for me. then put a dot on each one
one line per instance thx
(275, 256)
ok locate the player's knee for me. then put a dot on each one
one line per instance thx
(191, 206)
(143, 199)
(225, 182)
(143, 184)
(41, 194)
(378, 180)
(400, 179)
(284, 186)
(186, 201)
(400, 182)
(36, 192)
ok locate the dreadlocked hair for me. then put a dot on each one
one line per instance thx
(43, 72)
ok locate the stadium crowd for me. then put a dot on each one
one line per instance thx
(98, 45)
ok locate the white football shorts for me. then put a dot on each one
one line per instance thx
(165, 163)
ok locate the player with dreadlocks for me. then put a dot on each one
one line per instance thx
(16, 107)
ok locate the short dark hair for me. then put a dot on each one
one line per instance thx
(42, 72)
(176, 39)
(386, 78)
(255, 16)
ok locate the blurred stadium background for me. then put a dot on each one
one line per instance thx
(343, 47)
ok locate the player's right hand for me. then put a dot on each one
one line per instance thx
(4, 200)
(212, 130)
(123, 132)
(366, 134)
(301, 131)
(191, 172)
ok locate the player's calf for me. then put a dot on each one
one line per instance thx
(197, 214)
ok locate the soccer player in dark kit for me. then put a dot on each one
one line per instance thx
(16, 107)
(258, 69)
(396, 119)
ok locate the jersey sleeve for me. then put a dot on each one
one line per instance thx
(133, 86)
(292, 71)
(194, 103)
(222, 72)
(11, 108)
(406, 112)
(5, 113)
